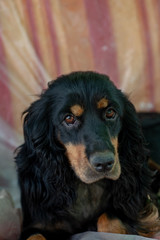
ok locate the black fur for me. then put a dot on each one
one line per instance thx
(55, 200)
(150, 122)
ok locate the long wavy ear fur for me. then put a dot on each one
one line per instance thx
(136, 177)
(40, 161)
(131, 139)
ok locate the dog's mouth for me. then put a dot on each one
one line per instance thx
(100, 164)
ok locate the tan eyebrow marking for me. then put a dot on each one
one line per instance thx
(77, 110)
(103, 103)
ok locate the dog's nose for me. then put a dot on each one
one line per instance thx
(102, 162)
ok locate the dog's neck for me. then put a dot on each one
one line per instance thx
(90, 201)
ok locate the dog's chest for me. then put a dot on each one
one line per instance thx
(91, 200)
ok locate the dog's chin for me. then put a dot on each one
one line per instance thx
(90, 175)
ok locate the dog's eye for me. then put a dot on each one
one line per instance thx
(110, 113)
(70, 119)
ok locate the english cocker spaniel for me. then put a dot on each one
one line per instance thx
(83, 164)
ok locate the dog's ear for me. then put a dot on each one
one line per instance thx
(135, 197)
(135, 177)
(44, 174)
(36, 127)
(131, 139)
(132, 147)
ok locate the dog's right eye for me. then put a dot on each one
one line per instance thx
(69, 119)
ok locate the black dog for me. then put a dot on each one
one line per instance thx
(83, 165)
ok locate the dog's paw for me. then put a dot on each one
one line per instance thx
(36, 237)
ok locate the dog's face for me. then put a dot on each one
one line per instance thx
(87, 120)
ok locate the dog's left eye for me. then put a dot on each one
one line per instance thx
(110, 113)
(69, 119)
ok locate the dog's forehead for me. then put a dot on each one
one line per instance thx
(87, 95)
(85, 91)
(79, 100)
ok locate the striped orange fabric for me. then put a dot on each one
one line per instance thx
(40, 40)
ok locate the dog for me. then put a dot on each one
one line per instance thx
(83, 165)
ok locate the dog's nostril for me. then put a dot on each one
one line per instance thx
(109, 165)
(98, 167)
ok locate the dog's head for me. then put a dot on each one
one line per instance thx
(88, 122)
(85, 115)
